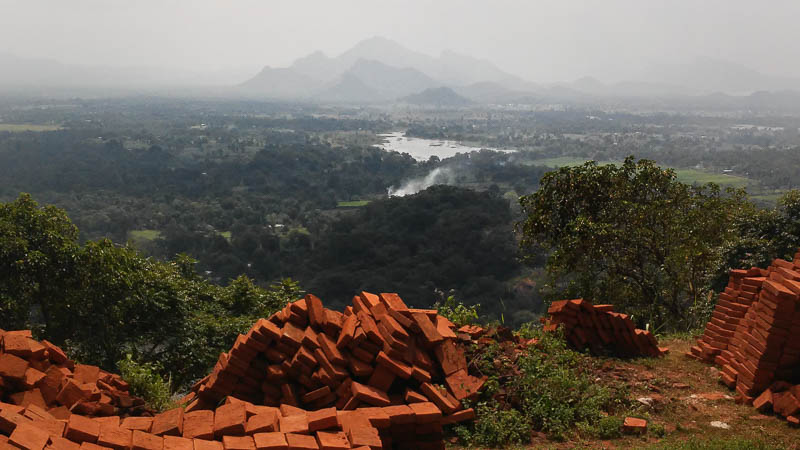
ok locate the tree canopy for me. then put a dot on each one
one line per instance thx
(631, 235)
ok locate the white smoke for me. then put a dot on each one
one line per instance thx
(439, 175)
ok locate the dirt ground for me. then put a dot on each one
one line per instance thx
(686, 407)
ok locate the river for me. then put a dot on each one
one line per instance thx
(422, 149)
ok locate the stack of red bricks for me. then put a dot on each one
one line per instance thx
(753, 336)
(742, 290)
(380, 375)
(39, 374)
(236, 425)
(600, 329)
(378, 353)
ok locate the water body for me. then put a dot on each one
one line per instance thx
(423, 149)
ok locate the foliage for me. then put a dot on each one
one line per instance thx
(103, 301)
(145, 382)
(441, 239)
(631, 235)
(496, 427)
(457, 312)
(550, 388)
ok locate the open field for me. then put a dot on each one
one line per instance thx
(353, 204)
(689, 176)
(20, 127)
(143, 235)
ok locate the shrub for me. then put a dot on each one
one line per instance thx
(457, 312)
(495, 427)
(146, 383)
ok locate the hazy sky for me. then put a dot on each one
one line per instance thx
(541, 40)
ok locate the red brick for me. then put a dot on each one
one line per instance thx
(168, 423)
(230, 420)
(61, 443)
(178, 443)
(262, 423)
(115, 437)
(332, 440)
(297, 423)
(763, 402)
(316, 312)
(29, 437)
(270, 441)
(322, 419)
(426, 412)
(12, 366)
(198, 424)
(202, 444)
(90, 446)
(450, 357)
(369, 395)
(400, 414)
(429, 332)
(84, 373)
(460, 416)
(412, 396)
(138, 423)
(634, 425)
(301, 442)
(238, 443)
(82, 429)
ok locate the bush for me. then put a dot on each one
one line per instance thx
(457, 312)
(145, 382)
(495, 427)
(551, 389)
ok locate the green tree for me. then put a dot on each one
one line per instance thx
(631, 235)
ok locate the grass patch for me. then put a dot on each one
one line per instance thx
(21, 127)
(688, 176)
(353, 204)
(226, 234)
(143, 235)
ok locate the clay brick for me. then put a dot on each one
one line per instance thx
(262, 423)
(460, 416)
(84, 373)
(332, 440)
(450, 357)
(230, 420)
(90, 446)
(429, 332)
(270, 441)
(633, 425)
(178, 443)
(426, 412)
(370, 395)
(82, 429)
(400, 414)
(198, 424)
(115, 437)
(316, 312)
(322, 419)
(238, 443)
(29, 436)
(138, 423)
(301, 441)
(763, 402)
(146, 441)
(202, 444)
(61, 443)
(412, 396)
(12, 367)
(168, 423)
(297, 423)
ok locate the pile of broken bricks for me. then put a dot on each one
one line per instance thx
(600, 329)
(754, 336)
(379, 375)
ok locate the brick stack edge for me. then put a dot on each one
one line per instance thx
(600, 329)
(380, 375)
(754, 337)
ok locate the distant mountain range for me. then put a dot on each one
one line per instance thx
(378, 70)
